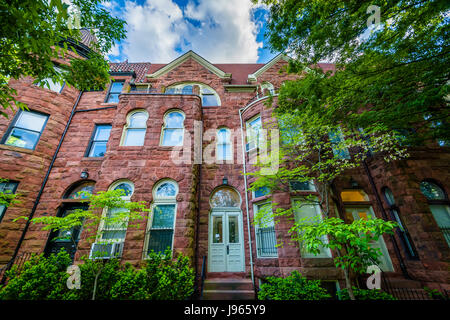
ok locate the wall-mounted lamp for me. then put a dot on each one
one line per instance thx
(225, 180)
(84, 174)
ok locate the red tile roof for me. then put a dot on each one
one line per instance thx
(140, 68)
(239, 71)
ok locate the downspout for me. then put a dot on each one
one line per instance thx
(385, 217)
(246, 197)
(44, 182)
(197, 220)
(245, 184)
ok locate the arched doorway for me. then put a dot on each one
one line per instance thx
(226, 235)
(68, 239)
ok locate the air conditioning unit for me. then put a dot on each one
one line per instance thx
(101, 250)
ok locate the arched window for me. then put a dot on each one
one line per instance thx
(402, 231)
(134, 130)
(79, 190)
(225, 197)
(112, 230)
(439, 206)
(268, 86)
(224, 148)
(209, 96)
(173, 129)
(160, 230)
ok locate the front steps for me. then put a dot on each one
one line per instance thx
(228, 289)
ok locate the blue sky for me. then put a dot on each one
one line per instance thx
(221, 31)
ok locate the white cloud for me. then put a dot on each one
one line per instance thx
(219, 30)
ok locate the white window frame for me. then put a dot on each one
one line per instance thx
(326, 253)
(269, 86)
(158, 200)
(127, 127)
(248, 130)
(54, 86)
(164, 127)
(179, 88)
(257, 242)
(228, 142)
(105, 212)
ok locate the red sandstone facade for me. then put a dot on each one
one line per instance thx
(146, 165)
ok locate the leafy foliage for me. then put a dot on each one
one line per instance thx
(126, 214)
(365, 294)
(161, 278)
(351, 240)
(7, 198)
(392, 74)
(35, 33)
(40, 279)
(293, 287)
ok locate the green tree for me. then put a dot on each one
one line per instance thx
(391, 73)
(126, 214)
(34, 33)
(312, 151)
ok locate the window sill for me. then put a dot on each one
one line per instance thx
(261, 199)
(109, 104)
(267, 258)
(16, 149)
(92, 158)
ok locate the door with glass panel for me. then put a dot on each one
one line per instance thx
(65, 239)
(363, 212)
(226, 246)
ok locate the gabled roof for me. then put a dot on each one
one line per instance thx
(190, 54)
(253, 77)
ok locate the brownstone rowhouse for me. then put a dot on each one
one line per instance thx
(130, 136)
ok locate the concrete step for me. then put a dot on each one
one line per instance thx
(228, 284)
(228, 289)
(228, 295)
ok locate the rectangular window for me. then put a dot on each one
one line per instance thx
(260, 192)
(253, 129)
(113, 230)
(52, 85)
(25, 130)
(161, 231)
(339, 150)
(266, 240)
(6, 188)
(307, 210)
(114, 90)
(302, 185)
(99, 139)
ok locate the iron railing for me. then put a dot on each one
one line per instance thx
(202, 277)
(446, 232)
(267, 241)
(401, 293)
(160, 240)
(18, 261)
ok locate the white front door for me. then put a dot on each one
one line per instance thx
(356, 213)
(226, 246)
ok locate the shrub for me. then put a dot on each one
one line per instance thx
(365, 294)
(161, 278)
(40, 278)
(293, 287)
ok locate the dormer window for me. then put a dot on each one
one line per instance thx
(209, 96)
